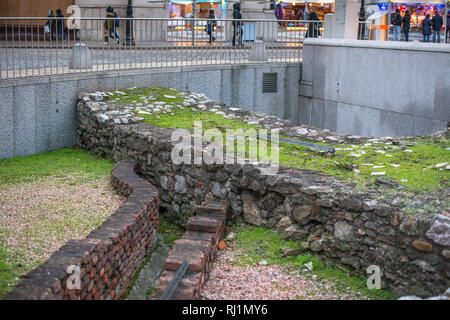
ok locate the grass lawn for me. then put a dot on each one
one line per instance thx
(63, 163)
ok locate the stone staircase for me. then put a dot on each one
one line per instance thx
(198, 246)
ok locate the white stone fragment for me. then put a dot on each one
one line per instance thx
(382, 173)
(102, 118)
(440, 165)
(302, 131)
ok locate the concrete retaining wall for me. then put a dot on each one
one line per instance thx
(375, 88)
(38, 114)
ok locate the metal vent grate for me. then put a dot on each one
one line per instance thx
(269, 83)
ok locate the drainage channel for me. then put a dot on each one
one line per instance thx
(150, 271)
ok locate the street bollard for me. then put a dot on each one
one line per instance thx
(80, 57)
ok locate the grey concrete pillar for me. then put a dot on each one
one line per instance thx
(80, 57)
(258, 51)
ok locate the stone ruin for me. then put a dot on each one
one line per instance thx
(330, 217)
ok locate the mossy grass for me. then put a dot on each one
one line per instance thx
(413, 170)
(68, 163)
(9, 272)
(254, 244)
(168, 230)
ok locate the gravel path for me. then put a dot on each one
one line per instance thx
(233, 282)
(38, 218)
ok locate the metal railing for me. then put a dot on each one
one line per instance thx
(31, 47)
(365, 30)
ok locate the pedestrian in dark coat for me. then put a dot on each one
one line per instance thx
(313, 26)
(397, 24)
(237, 25)
(406, 24)
(210, 26)
(51, 24)
(60, 24)
(437, 23)
(426, 28)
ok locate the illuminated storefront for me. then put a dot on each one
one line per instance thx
(418, 11)
(184, 9)
(180, 29)
(298, 10)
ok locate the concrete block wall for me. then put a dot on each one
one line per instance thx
(375, 88)
(38, 114)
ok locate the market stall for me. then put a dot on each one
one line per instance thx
(418, 11)
(299, 10)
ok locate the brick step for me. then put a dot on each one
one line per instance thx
(192, 245)
(201, 236)
(203, 224)
(183, 245)
(198, 247)
(196, 235)
(188, 288)
(206, 224)
(213, 207)
(196, 261)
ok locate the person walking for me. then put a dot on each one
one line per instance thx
(109, 25)
(447, 26)
(397, 23)
(437, 23)
(313, 25)
(279, 13)
(210, 26)
(60, 24)
(426, 28)
(50, 26)
(237, 25)
(406, 24)
(114, 32)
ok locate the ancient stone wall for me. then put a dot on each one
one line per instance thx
(103, 264)
(329, 217)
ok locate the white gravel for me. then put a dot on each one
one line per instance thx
(37, 218)
(271, 282)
